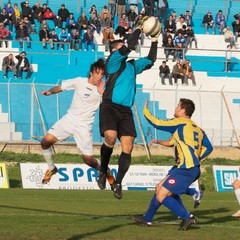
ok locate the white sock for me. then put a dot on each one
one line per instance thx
(237, 193)
(48, 156)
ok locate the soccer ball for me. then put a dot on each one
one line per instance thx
(151, 26)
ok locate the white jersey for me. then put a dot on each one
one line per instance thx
(85, 102)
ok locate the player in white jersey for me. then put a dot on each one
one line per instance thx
(236, 188)
(79, 119)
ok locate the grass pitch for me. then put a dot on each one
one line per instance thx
(72, 215)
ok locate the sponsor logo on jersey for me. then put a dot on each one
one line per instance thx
(86, 95)
(171, 181)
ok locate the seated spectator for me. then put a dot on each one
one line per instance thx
(183, 30)
(229, 36)
(43, 24)
(123, 26)
(188, 18)
(169, 49)
(191, 37)
(107, 38)
(105, 22)
(37, 12)
(75, 39)
(17, 13)
(10, 13)
(27, 12)
(236, 29)
(23, 65)
(71, 23)
(88, 39)
(133, 5)
(29, 26)
(92, 10)
(164, 72)
(8, 64)
(175, 17)
(170, 25)
(188, 72)
(4, 35)
(178, 51)
(82, 23)
(44, 36)
(54, 38)
(220, 21)
(105, 11)
(228, 58)
(237, 16)
(131, 14)
(177, 72)
(49, 15)
(94, 23)
(180, 23)
(208, 22)
(63, 14)
(64, 38)
(180, 38)
(165, 38)
(4, 18)
(22, 35)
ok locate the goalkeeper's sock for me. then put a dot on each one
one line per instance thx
(237, 193)
(179, 201)
(173, 205)
(190, 191)
(48, 156)
(152, 209)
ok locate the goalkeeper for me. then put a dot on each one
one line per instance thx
(116, 118)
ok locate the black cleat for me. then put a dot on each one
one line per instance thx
(117, 189)
(101, 181)
(139, 219)
(186, 223)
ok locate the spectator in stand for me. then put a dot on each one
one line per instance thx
(208, 22)
(180, 38)
(27, 11)
(93, 9)
(178, 51)
(123, 26)
(177, 72)
(112, 7)
(191, 37)
(170, 25)
(107, 38)
(44, 36)
(75, 39)
(105, 11)
(4, 18)
(54, 38)
(82, 23)
(131, 18)
(188, 18)
(94, 23)
(229, 36)
(17, 13)
(237, 16)
(164, 72)
(10, 12)
(228, 58)
(220, 21)
(8, 64)
(175, 17)
(43, 24)
(165, 37)
(49, 15)
(236, 29)
(37, 12)
(29, 26)
(4, 34)
(71, 23)
(162, 6)
(121, 8)
(22, 35)
(88, 39)
(63, 14)
(183, 30)
(23, 65)
(105, 22)
(64, 38)
(169, 49)
(133, 4)
(149, 7)
(188, 73)
(180, 23)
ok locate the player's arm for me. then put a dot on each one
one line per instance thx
(51, 91)
(207, 148)
(165, 143)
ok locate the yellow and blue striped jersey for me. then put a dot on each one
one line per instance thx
(191, 143)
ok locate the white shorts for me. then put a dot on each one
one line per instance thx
(67, 127)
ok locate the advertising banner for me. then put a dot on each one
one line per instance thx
(81, 176)
(4, 182)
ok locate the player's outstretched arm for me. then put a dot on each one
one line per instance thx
(51, 91)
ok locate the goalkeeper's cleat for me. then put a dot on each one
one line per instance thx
(197, 198)
(101, 181)
(117, 189)
(139, 219)
(48, 175)
(110, 179)
(186, 223)
(237, 214)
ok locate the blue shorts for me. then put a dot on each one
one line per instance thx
(180, 179)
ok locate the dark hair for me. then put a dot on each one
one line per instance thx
(188, 105)
(114, 44)
(99, 64)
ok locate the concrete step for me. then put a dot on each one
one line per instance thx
(10, 136)
(3, 117)
(7, 127)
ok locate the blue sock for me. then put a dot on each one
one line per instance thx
(190, 191)
(153, 207)
(173, 205)
(180, 202)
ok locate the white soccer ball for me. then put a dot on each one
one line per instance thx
(151, 26)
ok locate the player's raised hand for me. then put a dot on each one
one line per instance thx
(146, 104)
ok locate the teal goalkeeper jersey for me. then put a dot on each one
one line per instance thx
(192, 144)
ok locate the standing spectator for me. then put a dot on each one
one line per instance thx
(149, 7)
(177, 72)
(64, 38)
(37, 12)
(169, 49)
(49, 15)
(188, 72)
(44, 36)
(105, 22)
(23, 35)
(8, 64)
(63, 14)
(229, 36)
(112, 7)
(236, 29)
(88, 39)
(220, 21)
(82, 23)
(123, 26)
(75, 39)
(164, 72)
(54, 38)
(121, 8)
(162, 6)
(191, 37)
(71, 23)
(27, 11)
(107, 38)
(133, 4)
(208, 22)
(4, 18)
(228, 58)
(4, 35)
(170, 25)
(23, 65)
